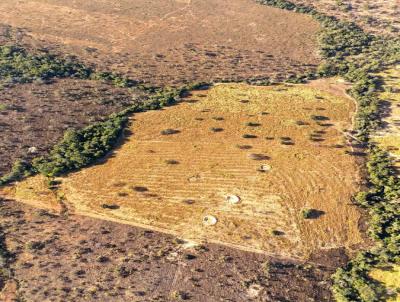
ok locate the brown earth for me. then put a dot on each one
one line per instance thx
(172, 42)
(220, 139)
(377, 17)
(36, 115)
(76, 258)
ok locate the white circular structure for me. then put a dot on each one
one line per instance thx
(209, 220)
(265, 168)
(232, 199)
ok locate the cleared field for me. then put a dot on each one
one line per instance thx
(204, 156)
(388, 136)
(174, 41)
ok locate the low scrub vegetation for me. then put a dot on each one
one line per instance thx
(19, 66)
(355, 55)
(19, 170)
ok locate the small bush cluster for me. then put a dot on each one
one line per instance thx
(19, 66)
(356, 56)
(19, 170)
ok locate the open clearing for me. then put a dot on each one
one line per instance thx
(171, 42)
(180, 165)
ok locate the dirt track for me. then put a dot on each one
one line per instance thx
(170, 42)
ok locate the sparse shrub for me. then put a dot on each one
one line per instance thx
(110, 206)
(179, 295)
(140, 189)
(249, 136)
(307, 213)
(35, 245)
(252, 124)
(172, 162)
(103, 259)
(169, 131)
(19, 170)
(215, 129)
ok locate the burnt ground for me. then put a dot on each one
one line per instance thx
(174, 41)
(36, 115)
(75, 258)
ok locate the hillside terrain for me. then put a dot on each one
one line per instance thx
(242, 150)
(172, 42)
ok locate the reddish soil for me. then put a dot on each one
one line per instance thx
(377, 17)
(172, 42)
(37, 115)
(76, 258)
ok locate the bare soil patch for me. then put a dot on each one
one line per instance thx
(170, 180)
(172, 42)
(33, 117)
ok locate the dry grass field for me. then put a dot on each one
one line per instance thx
(377, 17)
(171, 42)
(182, 164)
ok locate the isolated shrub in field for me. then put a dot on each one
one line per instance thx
(116, 80)
(169, 131)
(306, 213)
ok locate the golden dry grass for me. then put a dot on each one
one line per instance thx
(391, 279)
(388, 137)
(170, 182)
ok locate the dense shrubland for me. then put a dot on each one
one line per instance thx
(356, 56)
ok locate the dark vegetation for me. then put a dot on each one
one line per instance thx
(355, 55)
(19, 66)
(79, 148)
